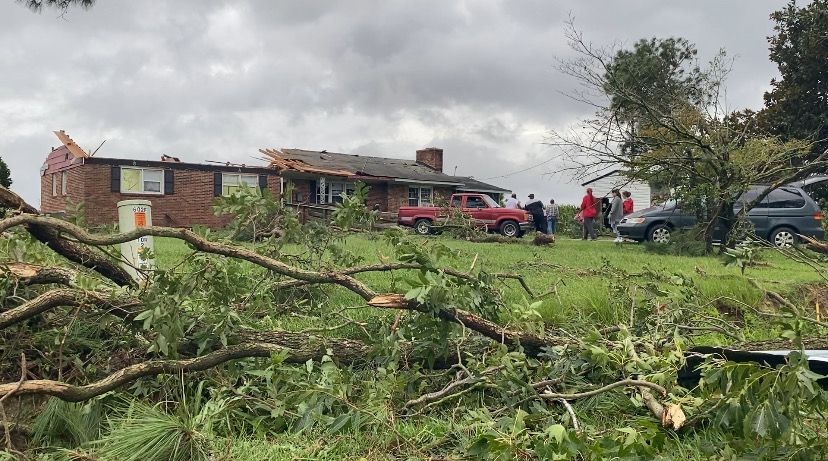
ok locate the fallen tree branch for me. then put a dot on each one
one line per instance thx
(64, 297)
(72, 393)
(452, 390)
(79, 254)
(408, 266)
(572, 416)
(814, 245)
(774, 296)
(531, 343)
(31, 274)
(601, 390)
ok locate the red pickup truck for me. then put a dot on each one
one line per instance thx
(482, 208)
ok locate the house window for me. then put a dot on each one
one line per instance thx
(142, 181)
(232, 183)
(339, 188)
(420, 196)
(54, 184)
(331, 191)
(64, 183)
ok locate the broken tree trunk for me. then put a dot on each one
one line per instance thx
(815, 245)
(77, 253)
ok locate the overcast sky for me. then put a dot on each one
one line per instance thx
(217, 80)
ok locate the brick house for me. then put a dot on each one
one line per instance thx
(182, 193)
(319, 177)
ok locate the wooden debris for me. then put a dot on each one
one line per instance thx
(70, 144)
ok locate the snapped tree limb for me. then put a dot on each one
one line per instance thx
(532, 344)
(296, 347)
(31, 274)
(79, 254)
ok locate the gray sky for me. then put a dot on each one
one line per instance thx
(217, 80)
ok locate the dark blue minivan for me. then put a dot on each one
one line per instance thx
(784, 213)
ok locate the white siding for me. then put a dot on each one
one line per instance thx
(640, 191)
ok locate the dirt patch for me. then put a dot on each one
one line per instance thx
(813, 293)
(730, 311)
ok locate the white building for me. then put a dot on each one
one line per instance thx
(604, 184)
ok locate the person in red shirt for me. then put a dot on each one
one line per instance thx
(628, 202)
(589, 210)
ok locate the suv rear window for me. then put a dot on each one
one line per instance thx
(785, 198)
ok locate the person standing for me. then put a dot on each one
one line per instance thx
(535, 208)
(589, 210)
(551, 217)
(628, 202)
(512, 202)
(616, 213)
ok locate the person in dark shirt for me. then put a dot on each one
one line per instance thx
(535, 208)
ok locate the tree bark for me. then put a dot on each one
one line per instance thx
(71, 393)
(31, 274)
(79, 254)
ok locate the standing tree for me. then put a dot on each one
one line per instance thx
(797, 105)
(5, 174)
(661, 118)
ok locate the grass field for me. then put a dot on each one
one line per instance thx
(570, 274)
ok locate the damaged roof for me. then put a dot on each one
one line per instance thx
(337, 164)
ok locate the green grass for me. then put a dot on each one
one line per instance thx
(564, 264)
(565, 271)
(575, 267)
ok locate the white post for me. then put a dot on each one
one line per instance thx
(133, 214)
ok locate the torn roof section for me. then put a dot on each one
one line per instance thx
(347, 165)
(70, 144)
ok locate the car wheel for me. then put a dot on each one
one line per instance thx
(510, 229)
(660, 233)
(423, 227)
(784, 237)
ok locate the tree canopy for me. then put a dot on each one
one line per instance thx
(5, 174)
(797, 104)
(661, 118)
(661, 71)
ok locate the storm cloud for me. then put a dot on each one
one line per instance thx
(217, 80)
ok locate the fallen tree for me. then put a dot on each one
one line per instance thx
(450, 339)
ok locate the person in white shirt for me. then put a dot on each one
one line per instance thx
(512, 202)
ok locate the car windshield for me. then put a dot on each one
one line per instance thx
(490, 201)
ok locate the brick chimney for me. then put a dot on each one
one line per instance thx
(431, 157)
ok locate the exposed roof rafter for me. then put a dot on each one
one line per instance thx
(70, 144)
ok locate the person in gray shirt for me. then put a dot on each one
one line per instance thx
(551, 212)
(616, 214)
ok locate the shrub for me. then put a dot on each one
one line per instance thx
(566, 221)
